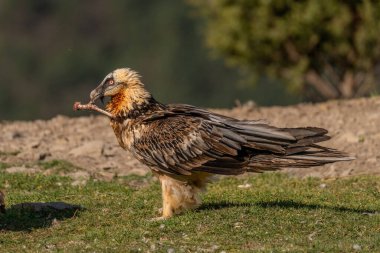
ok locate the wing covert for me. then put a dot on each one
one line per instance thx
(179, 145)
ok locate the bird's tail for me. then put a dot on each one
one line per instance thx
(304, 152)
(315, 156)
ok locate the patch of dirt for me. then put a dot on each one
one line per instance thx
(89, 142)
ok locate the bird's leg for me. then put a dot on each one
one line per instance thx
(167, 200)
(178, 196)
(90, 106)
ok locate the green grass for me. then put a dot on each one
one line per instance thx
(59, 166)
(277, 213)
(3, 165)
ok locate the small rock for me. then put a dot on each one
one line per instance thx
(171, 250)
(245, 186)
(322, 186)
(214, 247)
(238, 224)
(105, 175)
(50, 246)
(80, 174)
(370, 213)
(357, 247)
(311, 236)
(21, 170)
(78, 182)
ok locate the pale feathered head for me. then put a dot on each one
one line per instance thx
(114, 82)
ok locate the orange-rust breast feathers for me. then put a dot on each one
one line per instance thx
(117, 102)
(129, 98)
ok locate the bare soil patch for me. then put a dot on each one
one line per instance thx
(89, 144)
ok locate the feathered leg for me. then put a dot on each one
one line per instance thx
(181, 194)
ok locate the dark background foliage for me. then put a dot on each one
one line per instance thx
(53, 53)
(325, 49)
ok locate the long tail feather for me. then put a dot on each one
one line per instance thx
(300, 160)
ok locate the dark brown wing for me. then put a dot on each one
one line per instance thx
(183, 138)
(178, 144)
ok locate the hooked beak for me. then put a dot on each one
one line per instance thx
(97, 93)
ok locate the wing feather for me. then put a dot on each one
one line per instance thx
(180, 144)
(182, 139)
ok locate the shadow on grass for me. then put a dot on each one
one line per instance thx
(28, 216)
(283, 204)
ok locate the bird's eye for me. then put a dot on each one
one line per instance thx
(111, 82)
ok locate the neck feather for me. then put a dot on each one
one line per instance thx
(131, 102)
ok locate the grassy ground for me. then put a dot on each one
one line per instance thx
(276, 213)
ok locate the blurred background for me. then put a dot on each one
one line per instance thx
(207, 53)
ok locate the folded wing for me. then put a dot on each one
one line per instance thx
(184, 139)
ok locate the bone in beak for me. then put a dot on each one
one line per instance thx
(92, 107)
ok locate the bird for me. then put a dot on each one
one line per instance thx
(186, 146)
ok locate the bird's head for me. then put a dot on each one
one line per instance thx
(116, 82)
(125, 89)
